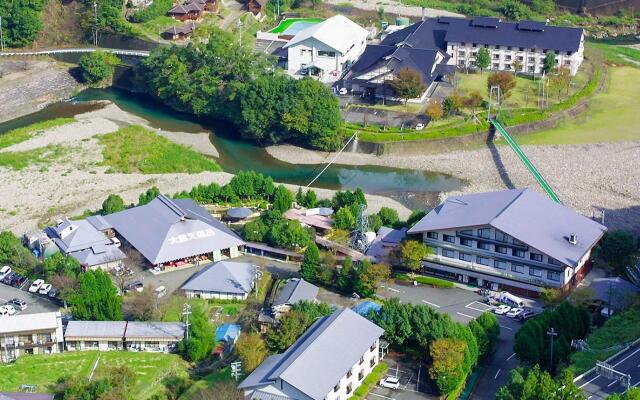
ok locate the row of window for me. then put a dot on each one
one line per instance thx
(498, 47)
(321, 53)
(498, 264)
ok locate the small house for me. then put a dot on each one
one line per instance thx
(179, 33)
(294, 291)
(257, 7)
(95, 335)
(223, 280)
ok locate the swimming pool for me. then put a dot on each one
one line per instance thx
(291, 26)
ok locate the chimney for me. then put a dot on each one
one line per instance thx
(573, 239)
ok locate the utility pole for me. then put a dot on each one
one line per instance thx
(186, 311)
(1, 36)
(95, 23)
(240, 32)
(552, 333)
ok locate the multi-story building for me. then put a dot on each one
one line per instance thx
(39, 333)
(328, 362)
(516, 240)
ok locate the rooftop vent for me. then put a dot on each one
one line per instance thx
(485, 22)
(573, 239)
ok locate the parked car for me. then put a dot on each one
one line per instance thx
(35, 285)
(18, 280)
(53, 293)
(10, 309)
(8, 279)
(18, 304)
(390, 382)
(45, 288)
(514, 312)
(419, 126)
(343, 91)
(501, 309)
(138, 286)
(4, 312)
(160, 291)
(526, 314)
(4, 271)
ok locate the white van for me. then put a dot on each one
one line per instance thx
(508, 298)
(160, 291)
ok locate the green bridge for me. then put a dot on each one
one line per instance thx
(527, 163)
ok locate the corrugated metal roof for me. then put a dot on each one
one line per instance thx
(154, 330)
(30, 322)
(95, 329)
(166, 230)
(316, 362)
(525, 215)
(228, 333)
(223, 277)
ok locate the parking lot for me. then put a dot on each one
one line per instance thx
(35, 303)
(414, 383)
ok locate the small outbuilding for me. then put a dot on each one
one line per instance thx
(366, 307)
(238, 214)
(225, 280)
(294, 291)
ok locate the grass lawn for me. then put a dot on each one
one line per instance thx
(134, 149)
(208, 381)
(173, 308)
(286, 23)
(618, 54)
(153, 28)
(45, 370)
(42, 156)
(404, 108)
(25, 133)
(619, 329)
(613, 115)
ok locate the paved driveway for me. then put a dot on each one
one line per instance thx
(463, 306)
(35, 303)
(414, 384)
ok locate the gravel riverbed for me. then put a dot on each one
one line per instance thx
(592, 178)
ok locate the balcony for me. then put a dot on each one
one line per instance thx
(492, 241)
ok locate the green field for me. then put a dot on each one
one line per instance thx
(286, 23)
(612, 116)
(45, 370)
(134, 149)
(25, 133)
(42, 157)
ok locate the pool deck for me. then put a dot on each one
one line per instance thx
(286, 23)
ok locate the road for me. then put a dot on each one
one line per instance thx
(598, 387)
(463, 306)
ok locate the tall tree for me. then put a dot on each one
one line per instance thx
(59, 263)
(369, 276)
(413, 252)
(95, 298)
(483, 59)
(534, 384)
(408, 84)
(112, 204)
(97, 67)
(504, 80)
(252, 351)
(282, 199)
(549, 62)
(201, 338)
(149, 195)
(310, 263)
(446, 369)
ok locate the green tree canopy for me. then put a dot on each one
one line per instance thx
(389, 216)
(549, 63)
(282, 199)
(113, 203)
(252, 351)
(96, 298)
(408, 84)
(14, 254)
(310, 263)
(534, 384)
(97, 67)
(616, 248)
(59, 263)
(344, 219)
(483, 59)
(149, 195)
(369, 276)
(413, 252)
(201, 338)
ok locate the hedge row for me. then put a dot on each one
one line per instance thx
(426, 280)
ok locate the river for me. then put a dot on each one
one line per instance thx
(414, 189)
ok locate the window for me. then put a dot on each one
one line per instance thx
(521, 49)
(461, 63)
(372, 362)
(475, 45)
(467, 232)
(484, 233)
(518, 253)
(535, 272)
(569, 53)
(461, 53)
(507, 67)
(486, 46)
(349, 388)
(509, 48)
(463, 44)
(465, 257)
(553, 261)
(532, 69)
(326, 53)
(500, 264)
(501, 249)
(484, 246)
(448, 253)
(517, 268)
(557, 52)
(349, 374)
(373, 347)
(466, 242)
(535, 257)
(336, 387)
(532, 59)
(361, 375)
(496, 56)
(507, 58)
(567, 62)
(432, 235)
(474, 53)
(501, 237)
(520, 58)
(482, 260)
(553, 276)
(449, 238)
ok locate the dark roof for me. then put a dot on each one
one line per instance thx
(181, 30)
(435, 33)
(296, 290)
(239, 212)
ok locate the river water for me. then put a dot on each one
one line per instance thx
(415, 189)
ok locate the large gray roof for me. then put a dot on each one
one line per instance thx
(296, 290)
(85, 243)
(167, 230)
(524, 214)
(95, 329)
(223, 277)
(154, 330)
(315, 363)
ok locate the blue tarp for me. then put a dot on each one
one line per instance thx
(228, 333)
(365, 307)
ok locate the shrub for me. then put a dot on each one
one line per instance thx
(434, 110)
(425, 280)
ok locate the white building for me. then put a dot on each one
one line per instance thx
(516, 240)
(30, 334)
(328, 362)
(326, 49)
(224, 280)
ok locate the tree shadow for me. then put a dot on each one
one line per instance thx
(497, 160)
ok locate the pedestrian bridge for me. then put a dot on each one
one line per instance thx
(75, 50)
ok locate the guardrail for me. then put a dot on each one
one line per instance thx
(76, 50)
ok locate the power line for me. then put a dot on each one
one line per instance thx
(334, 158)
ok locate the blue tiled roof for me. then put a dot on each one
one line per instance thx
(365, 307)
(228, 333)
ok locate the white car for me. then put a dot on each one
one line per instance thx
(4, 271)
(4, 312)
(390, 382)
(7, 310)
(343, 91)
(45, 288)
(420, 126)
(514, 312)
(501, 309)
(35, 286)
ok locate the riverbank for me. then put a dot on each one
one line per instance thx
(590, 178)
(75, 181)
(27, 86)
